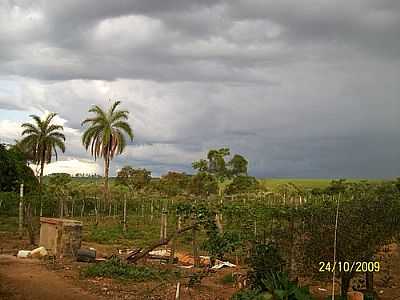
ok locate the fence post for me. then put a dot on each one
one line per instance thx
(21, 210)
(125, 213)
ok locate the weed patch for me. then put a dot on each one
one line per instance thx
(115, 268)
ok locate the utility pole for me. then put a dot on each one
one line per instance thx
(21, 210)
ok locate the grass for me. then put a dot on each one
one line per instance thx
(115, 268)
(307, 183)
(8, 224)
(110, 231)
(228, 279)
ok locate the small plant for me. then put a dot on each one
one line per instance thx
(249, 295)
(228, 279)
(196, 278)
(267, 278)
(264, 261)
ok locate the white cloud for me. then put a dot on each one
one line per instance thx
(10, 130)
(71, 166)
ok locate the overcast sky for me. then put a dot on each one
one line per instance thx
(301, 88)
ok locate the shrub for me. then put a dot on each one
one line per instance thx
(115, 268)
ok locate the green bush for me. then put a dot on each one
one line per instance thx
(115, 268)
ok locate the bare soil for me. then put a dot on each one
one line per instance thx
(22, 279)
(45, 280)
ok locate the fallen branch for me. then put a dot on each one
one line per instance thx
(150, 248)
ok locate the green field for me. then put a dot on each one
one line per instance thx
(270, 183)
(307, 183)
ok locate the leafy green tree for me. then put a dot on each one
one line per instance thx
(218, 245)
(14, 170)
(242, 184)
(238, 165)
(59, 187)
(134, 179)
(42, 139)
(217, 166)
(203, 184)
(174, 183)
(105, 135)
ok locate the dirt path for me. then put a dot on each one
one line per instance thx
(25, 279)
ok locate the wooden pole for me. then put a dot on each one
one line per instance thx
(177, 293)
(125, 213)
(196, 260)
(21, 210)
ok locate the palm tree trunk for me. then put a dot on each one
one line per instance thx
(41, 183)
(106, 171)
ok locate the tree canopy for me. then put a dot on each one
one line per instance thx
(14, 170)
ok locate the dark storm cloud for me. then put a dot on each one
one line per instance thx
(302, 88)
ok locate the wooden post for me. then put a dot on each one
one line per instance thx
(173, 244)
(83, 207)
(151, 210)
(96, 209)
(177, 293)
(162, 231)
(125, 213)
(196, 260)
(21, 210)
(165, 226)
(61, 207)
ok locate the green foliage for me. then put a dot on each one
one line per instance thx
(248, 294)
(59, 179)
(368, 219)
(196, 278)
(265, 260)
(279, 287)
(238, 165)
(219, 167)
(174, 183)
(14, 170)
(218, 245)
(110, 234)
(134, 179)
(336, 187)
(115, 268)
(267, 278)
(228, 279)
(105, 135)
(203, 184)
(242, 184)
(41, 139)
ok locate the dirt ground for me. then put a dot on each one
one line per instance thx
(28, 279)
(32, 279)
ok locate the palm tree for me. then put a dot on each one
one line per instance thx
(41, 139)
(105, 135)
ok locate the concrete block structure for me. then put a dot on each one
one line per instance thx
(60, 237)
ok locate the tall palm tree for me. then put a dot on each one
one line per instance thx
(41, 139)
(105, 135)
